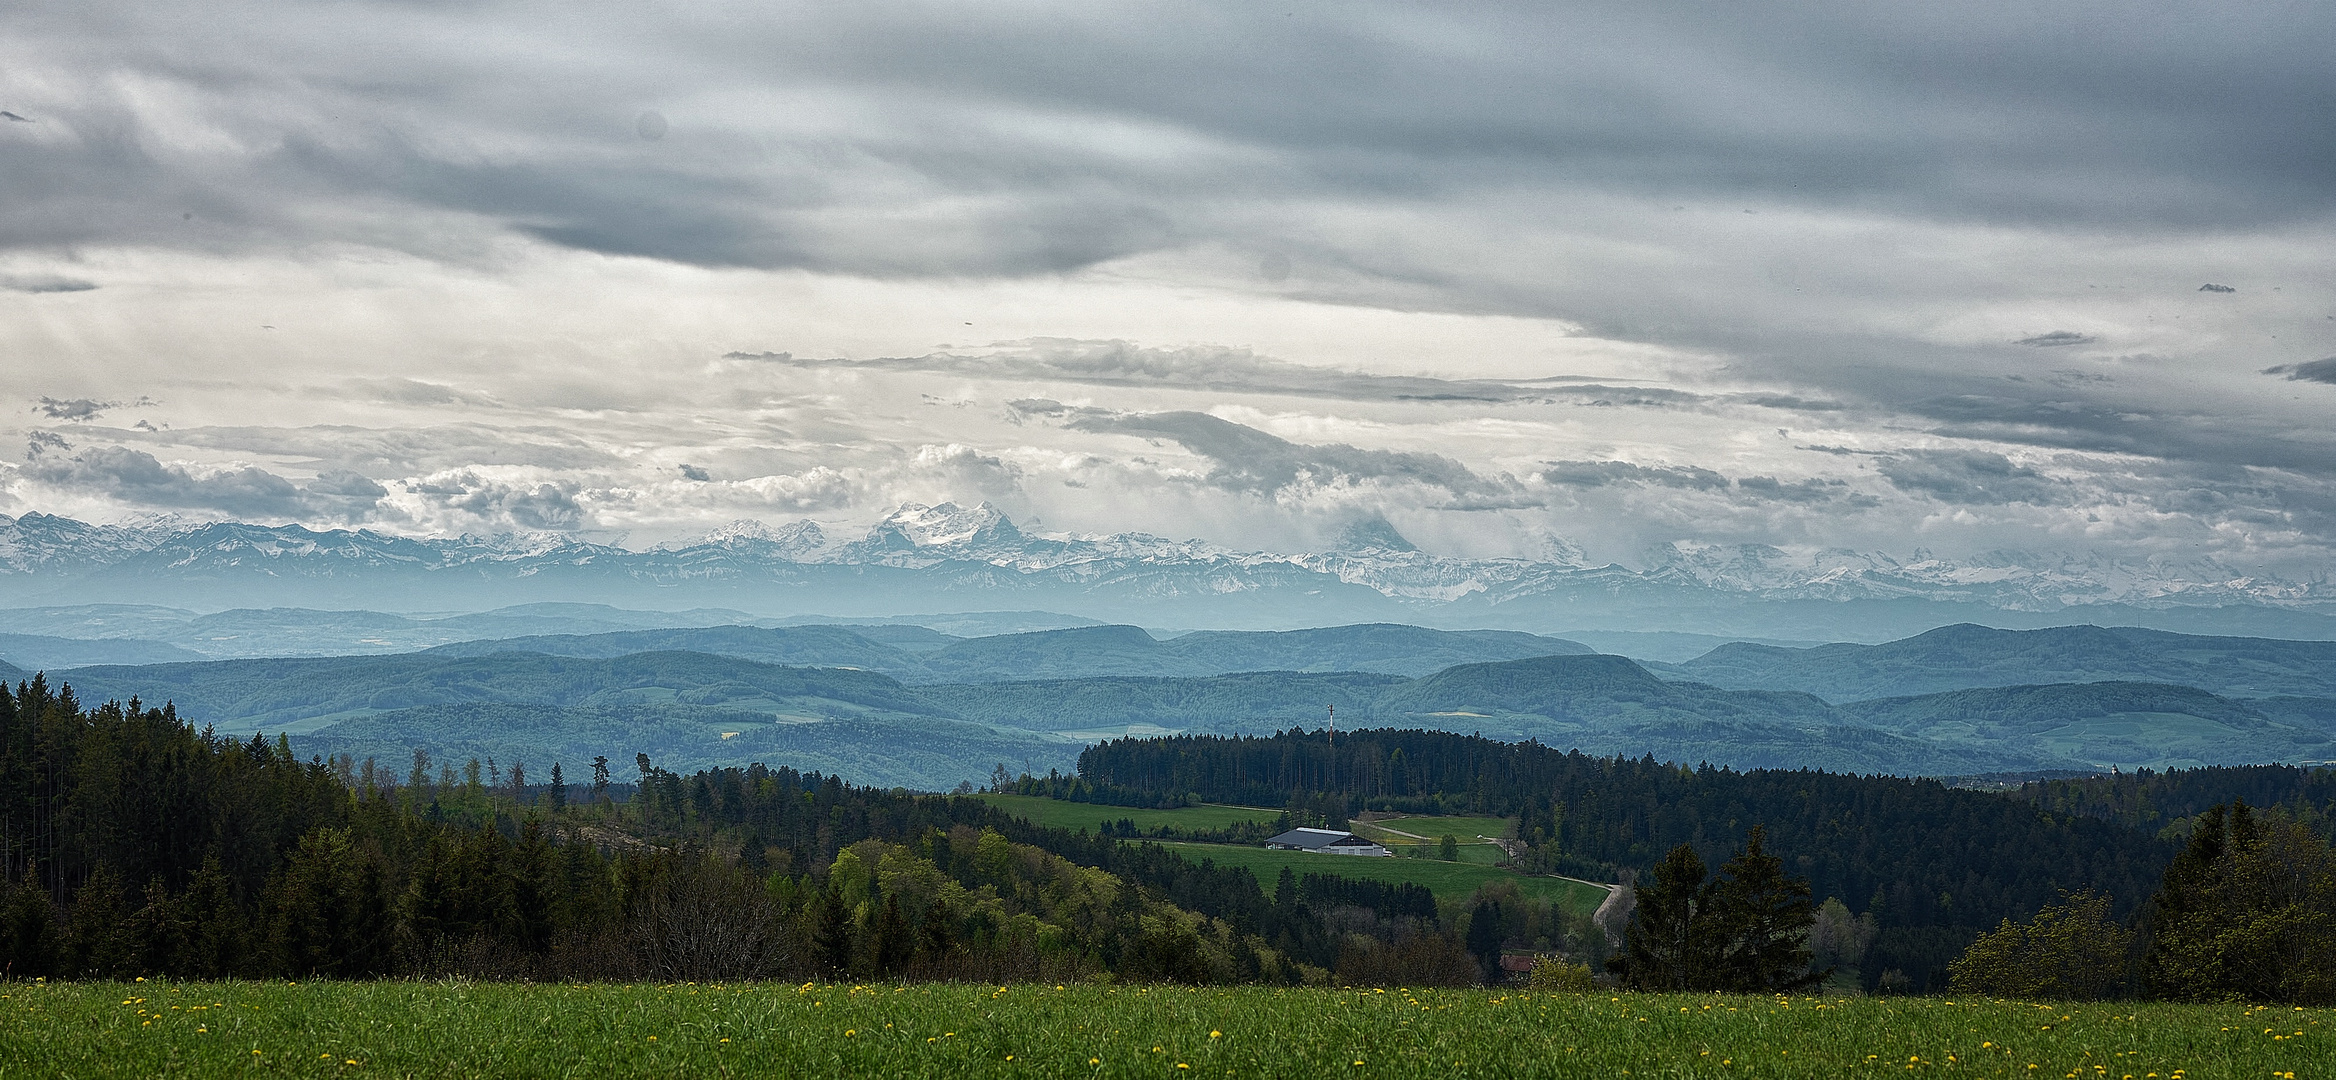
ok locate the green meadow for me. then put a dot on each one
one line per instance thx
(1450, 881)
(437, 1029)
(1464, 829)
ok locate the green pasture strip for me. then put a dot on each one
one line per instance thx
(435, 1029)
(1482, 853)
(1448, 880)
(1059, 814)
(1464, 829)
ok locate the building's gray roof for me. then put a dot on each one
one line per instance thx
(1315, 839)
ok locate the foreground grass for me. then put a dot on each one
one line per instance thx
(461, 1030)
(1448, 880)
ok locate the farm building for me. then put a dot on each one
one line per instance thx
(1326, 841)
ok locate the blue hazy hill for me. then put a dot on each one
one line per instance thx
(1967, 656)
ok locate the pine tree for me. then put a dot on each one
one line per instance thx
(1668, 946)
(28, 928)
(893, 944)
(831, 931)
(1484, 937)
(100, 943)
(218, 943)
(1764, 915)
(936, 936)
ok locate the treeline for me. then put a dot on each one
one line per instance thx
(135, 845)
(2246, 911)
(2156, 801)
(1930, 866)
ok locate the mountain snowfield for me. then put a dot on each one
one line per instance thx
(950, 557)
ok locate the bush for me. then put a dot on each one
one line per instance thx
(2072, 950)
(1554, 976)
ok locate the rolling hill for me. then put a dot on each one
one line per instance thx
(1070, 653)
(867, 746)
(41, 651)
(2132, 725)
(1598, 704)
(1965, 657)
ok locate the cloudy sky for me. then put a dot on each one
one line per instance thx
(1890, 277)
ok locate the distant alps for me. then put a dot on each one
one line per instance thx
(955, 558)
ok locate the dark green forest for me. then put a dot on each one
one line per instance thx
(1933, 866)
(134, 844)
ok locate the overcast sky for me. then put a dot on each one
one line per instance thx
(1891, 277)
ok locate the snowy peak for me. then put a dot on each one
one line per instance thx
(46, 544)
(917, 535)
(964, 549)
(228, 546)
(796, 541)
(946, 525)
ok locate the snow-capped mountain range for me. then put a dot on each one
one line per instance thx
(950, 557)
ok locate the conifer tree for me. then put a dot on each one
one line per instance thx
(1668, 945)
(936, 937)
(832, 931)
(100, 944)
(28, 928)
(1484, 937)
(1764, 916)
(893, 943)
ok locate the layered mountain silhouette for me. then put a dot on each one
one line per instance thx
(949, 557)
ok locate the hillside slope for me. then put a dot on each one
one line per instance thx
(1965, 657)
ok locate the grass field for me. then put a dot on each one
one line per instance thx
(1448, 880)
(413, 1029)
(1464, 829)
(1402, 835)
(1058, 814)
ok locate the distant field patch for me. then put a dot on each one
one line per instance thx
(103, 1030)
(1058, 814)
(1448, 880)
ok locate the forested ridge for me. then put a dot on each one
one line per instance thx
(135, 844)
(1932, 865)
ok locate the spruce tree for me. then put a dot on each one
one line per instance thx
(893, 944)
(1484, 937)
(831, 931)
(1667, 946)
(936, 937)
(28, 928)
(1764, 915)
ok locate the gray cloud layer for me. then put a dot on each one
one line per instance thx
(1804, 273)
(928, 139)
